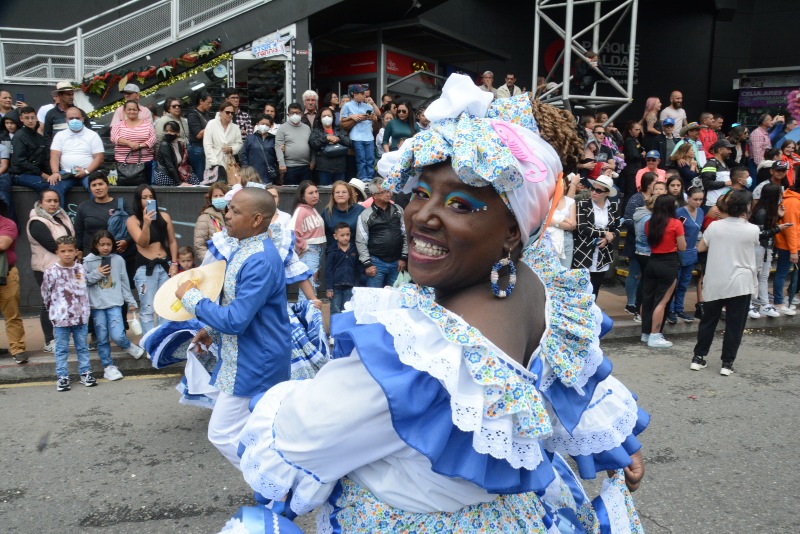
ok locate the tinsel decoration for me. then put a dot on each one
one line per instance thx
(169, 81)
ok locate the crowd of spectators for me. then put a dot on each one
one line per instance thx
(617, 186)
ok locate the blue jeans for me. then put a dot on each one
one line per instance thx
(79, 334)
(633, 280)
(38, 184)
(197, 159)
(311, 257)
(386, 275)
(295, 175)
(365, 159)
(684, 278)
(147, 286)
(327, 178)
(781, 271)
(109, 323)
(340, 296)
(5, 197)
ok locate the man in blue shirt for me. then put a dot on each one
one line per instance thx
(251, 325)
(357, 118)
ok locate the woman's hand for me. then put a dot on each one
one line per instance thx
(227, 150)
(173, 270)
(122, 245)
(105, 270)
(610, 237)
(148, 217)
(317, 304)
(332, 139)
(603, 243)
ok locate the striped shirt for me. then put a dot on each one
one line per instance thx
(144, 134)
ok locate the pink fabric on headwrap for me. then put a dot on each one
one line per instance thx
(488, 143)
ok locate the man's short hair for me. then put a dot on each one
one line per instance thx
(230, 91)
(294, 105)
(26, 109)
(80, 111)
(183, 251)
(737, 172)
(487, 73)
(510, 74)
(309, 94)
(762, 118)
(263, 202)
(340, 225)
(718, 116)
(375, 186)
(590, 54)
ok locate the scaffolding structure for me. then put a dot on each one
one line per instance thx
(618, 12)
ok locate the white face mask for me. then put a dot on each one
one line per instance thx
(294, 119)
(262, 128)
(326, 121)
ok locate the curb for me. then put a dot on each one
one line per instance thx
(41, 367)
(627, 328)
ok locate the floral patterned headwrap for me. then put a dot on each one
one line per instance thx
(488, 143)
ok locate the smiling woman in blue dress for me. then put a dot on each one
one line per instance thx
(457, 397)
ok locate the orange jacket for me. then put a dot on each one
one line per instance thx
(789, 239)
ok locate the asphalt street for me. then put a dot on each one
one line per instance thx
(125, 457)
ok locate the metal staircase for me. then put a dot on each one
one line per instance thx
(110, 45)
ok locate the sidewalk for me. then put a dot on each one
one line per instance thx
(41, 365)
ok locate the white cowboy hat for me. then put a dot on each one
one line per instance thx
(209, 279)
(606, 182)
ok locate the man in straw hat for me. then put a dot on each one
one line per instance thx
(251, 325)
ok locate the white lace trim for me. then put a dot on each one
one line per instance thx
(616, 507)
(593, 360)
(234, 526)
(324, 519)
(443, 360)
(266, 470)
(605, 425)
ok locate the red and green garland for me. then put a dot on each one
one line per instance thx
(101, 84)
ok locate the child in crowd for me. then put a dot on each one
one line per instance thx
(186, 258)
(341, 268)
(109, 290)
(66, 298)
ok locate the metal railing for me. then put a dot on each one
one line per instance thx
(111, 45)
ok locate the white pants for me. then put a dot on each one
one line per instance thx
(227, 420)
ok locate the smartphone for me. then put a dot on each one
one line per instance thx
(682, 219)
(596, 241)
(20, 97)
(369, 112)
(105, 260)
(151, 206)
(789, 224)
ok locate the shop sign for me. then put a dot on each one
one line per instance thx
(764, 97)
(343, 65)
(270, 45)
(401, 65)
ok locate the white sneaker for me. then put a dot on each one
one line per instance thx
(753, 313)
(785, 310)
(111, 373)
(657, 341)
(769, 311)
(50, 347)
(645, 338)
(796, 300)
(135, 350)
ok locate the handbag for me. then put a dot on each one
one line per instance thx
(135, 326)
(131, 174)
(210, 175)
(334, 151)
(272, 173)
(117, 223)
(184, 169)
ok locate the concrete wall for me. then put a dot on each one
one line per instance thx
(182, 203)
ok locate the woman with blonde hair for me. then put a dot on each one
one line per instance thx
(341, 207)
(685, 161)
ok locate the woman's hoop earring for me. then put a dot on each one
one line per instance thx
(495, 277)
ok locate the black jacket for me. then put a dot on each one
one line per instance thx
(341, 268)
(709, 174)
(31, 153)
(167, 161)
(56, 120)
(586, 233)
(318, 140)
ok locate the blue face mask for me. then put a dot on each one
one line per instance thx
(219, 203)
(75, 125)
(749, 182)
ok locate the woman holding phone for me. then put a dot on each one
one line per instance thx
(156, 250)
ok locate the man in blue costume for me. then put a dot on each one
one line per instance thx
(251, 325)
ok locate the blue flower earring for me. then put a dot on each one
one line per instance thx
(495, 277)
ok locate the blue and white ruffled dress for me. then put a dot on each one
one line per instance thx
(421, 424)
(169, 343)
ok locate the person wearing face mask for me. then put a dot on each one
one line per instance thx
(172, 160)
(211, 219)
(258, 150)
(296, 160)
(75, 153)
(330, 143)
